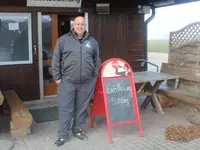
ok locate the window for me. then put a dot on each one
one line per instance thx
(15, 38)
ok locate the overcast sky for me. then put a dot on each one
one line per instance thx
(172, 18)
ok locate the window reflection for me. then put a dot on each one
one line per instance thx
(15, 43)
(47, 48)
(46, 37)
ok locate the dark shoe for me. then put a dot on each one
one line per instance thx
(60, 142)
(80, 135)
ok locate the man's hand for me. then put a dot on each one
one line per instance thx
(58, 82)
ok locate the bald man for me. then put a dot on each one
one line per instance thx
(75, 66)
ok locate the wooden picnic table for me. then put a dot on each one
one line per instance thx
(150, 89)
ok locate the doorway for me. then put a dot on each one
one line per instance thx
(64, 24)
(53, 27)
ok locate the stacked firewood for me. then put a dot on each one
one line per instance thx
(182, 133)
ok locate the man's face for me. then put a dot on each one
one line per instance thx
(79, 26)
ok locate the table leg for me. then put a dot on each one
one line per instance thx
(142, 87)
(153, 98)
(157, 104)
(175, 102)
(176, 83)
(146, 102)
(148, 88)
(153, 104)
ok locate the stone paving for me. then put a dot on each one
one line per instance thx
(125, 137)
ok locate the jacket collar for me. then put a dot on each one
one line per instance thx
(72, 32)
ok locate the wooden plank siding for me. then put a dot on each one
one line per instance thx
(120, 34)
(24, 79)
(85, 3)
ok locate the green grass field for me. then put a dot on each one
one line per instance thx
(161, 46)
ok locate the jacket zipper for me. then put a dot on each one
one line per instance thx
(80, 61)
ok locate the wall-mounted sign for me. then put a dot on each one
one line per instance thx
(55, 3)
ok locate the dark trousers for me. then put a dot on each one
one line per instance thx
(73, 102)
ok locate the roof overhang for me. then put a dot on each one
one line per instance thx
(164, 3)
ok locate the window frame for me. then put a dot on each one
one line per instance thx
(30, 48)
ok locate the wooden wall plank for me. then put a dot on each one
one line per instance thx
(116, 39)
(120, 34)
(24, 79)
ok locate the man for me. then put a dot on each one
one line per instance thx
(75, 66)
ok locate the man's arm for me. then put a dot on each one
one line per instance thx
(56, 61)
(97, 61)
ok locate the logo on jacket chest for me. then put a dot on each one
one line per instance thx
(88, 45)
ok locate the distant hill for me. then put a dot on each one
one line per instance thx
(161, 46)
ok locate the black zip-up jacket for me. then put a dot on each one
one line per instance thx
(75, 60)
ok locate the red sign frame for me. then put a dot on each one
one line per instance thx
(100, 92)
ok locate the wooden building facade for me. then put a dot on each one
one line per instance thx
(28, 36)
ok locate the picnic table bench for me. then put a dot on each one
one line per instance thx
(150, 89)
(21, 118)
(179, 93)
(147, 89)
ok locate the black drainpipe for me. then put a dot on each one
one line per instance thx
(146, 34)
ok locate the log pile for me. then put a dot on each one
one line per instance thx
(182, 133)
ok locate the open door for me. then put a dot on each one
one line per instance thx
(49, 38)
(53, 26)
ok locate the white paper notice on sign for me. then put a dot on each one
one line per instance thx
(13, 26)
(55, 3)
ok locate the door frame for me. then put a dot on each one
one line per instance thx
(41, 82)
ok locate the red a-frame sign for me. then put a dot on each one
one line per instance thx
(115, 95)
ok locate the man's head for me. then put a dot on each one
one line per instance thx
(79, 25)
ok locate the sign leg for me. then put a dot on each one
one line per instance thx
(109, 130)
(110, 134)
(138, 117)
(91, 121)
(90, 114)
(140, 128)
